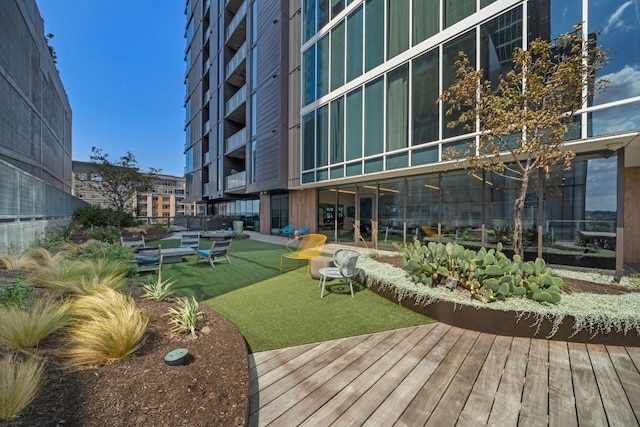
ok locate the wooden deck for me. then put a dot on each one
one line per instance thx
(438, 375)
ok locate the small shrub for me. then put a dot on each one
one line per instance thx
(16, 294)
(158, 290)
(186, 317)
(19, 384)
(106, 326)
(21, 262)
(97, 250)
(81, 277)
(24, 328)
(109, 234)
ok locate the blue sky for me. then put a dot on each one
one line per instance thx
(121, 63)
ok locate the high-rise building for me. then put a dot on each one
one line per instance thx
(236, 107)
(368, 141)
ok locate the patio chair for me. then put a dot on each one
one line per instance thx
(304, 230)
(190, 241)
(149, 259)
(288, 230)
(345, 261)
(309, 246)
(219, 252)
(134, 242)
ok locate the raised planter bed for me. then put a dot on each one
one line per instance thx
(506, 322)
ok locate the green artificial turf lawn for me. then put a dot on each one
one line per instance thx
(275, 310)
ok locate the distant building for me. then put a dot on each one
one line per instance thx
(35, 130)
(164, 202)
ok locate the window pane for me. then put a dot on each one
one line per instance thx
(309, 19)
(337, 130)
(322, 136)
(426, 19)
(309, 76)
(398, 28)
(354, 124)
(465, 43)
(373, 34)
(323, 13)
(308, 140)
(337, 56)
(398, 108)
(500, 37)
(323, 66)
(337, 6)
(457, 10)
(374, 117)
(354, 44)
(619, 29)
(424, 95)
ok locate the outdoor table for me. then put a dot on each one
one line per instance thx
(175, 254)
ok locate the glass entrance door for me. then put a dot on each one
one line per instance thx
(366, 225)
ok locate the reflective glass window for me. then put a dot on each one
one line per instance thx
(457, 10)
(337, 56)
(426, 19)
(373, 34)
(398, 108)
(308, 19)
(374, 117)
(499, 37)
(425, 92)
(398, 27)
(465, 43)
(323, 66)
(308, 141)
(309, 75)
(323, 13)
(353, 124)
(337, 130)
(354, 44)
(322, 136)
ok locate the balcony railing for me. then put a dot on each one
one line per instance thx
(236, 100)
(237, 140)
(206, 128)
(206, 158)
(237, 23)
(207, 65)
(206, 97)
(237, 59)
(205, 189)
(236, 181)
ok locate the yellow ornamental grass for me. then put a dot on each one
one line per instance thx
(106, 326)
(22, 262)
(24, 328)
(19, 384)
(81, 276)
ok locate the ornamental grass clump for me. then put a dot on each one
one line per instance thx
(22, 329)
(105, 326)
(19, 384)
(81, 277)
(22, 262)
(489, 275)
(158, 290)
(186, 317)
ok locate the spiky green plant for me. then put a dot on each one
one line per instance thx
(186, 317)
(81, 276)
(106, 326)
(158, 290)
(19, 384)
(24, 328)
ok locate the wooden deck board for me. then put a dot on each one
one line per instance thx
(427, 399)
(588, 403)
(453, 400)
(343, 400)
(535, 396)
(439, 375)
(615, 402)
(562, 402)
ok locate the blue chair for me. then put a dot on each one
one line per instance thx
(149, 259)
(288, 230)
(304, 230)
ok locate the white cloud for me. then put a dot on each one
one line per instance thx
(615, 20)
(624, 83)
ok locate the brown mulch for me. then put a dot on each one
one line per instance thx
(212, 389)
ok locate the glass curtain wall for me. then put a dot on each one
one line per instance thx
(391, 211)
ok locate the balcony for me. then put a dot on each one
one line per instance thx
(206, 128)
(206, 97)
(236, 32)
(236, 69)
(235, 144)
(233, 5)
(232, 106)
(207, 34)
(235, 182)
(205, 189)
(207, 65)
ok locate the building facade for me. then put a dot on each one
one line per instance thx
(367, 138)
(35, 131)
(374, 137)
(236, 108)
(162, 203)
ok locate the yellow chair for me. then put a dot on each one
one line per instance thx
(309, 246)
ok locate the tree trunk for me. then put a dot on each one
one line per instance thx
(518, 206)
